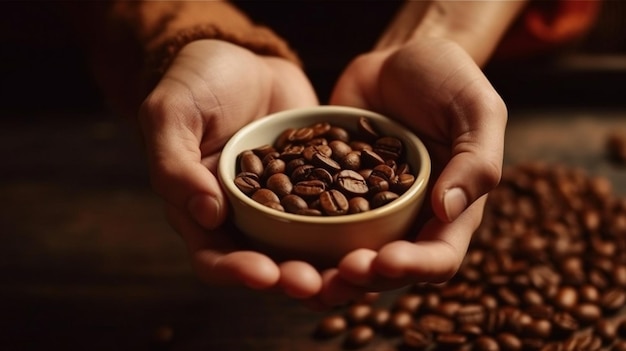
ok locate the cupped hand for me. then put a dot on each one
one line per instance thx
(433, 87)
(212, 89)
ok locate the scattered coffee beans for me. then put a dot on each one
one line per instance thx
(545, 271)
(326, 170)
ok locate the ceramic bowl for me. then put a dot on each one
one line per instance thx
(321, 240)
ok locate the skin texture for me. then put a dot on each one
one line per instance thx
(430, 83)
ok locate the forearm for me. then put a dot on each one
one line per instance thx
(477, 26)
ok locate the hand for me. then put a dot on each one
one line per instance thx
(212, 89)
(433, 87)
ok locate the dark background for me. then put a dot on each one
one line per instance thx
(87, 261)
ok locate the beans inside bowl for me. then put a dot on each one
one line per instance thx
(326, 170)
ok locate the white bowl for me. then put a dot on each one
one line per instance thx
(321, 240)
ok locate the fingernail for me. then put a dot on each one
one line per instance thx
(206, 210)
(454, 203)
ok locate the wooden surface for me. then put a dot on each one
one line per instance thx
(87, 261)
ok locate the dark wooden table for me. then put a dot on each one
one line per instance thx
(87, 261)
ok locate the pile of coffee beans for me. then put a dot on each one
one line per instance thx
(326, 170)
(545, 271)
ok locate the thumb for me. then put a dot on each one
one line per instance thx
(475, 166)
(177, 170)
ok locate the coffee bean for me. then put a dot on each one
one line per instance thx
(613, 299)
(486, 343)
(331, 325)
(566, 297)
(333, 203)
(359, 336)
(379, 317)
(435, 323)
(337, 133)
(249, 162)
(339, 149)
(358, 204)
(366, 129)
(399, 321)
(370, 159)
(351, 183)
(293, 203)
(325, 162)
(382, 198)
(247, 182)
(264, 196)
(280, 184)
(358, 313)
(417, 338)
(509, 342)
(309, 188)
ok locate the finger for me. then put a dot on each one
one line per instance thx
(215, 259)
(335, 290)
(299, 279)
(475, 166)
(434, 257)
(176, 169)
(437, 253)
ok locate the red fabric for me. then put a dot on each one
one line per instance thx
(546, 26)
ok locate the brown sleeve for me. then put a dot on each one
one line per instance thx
(132, 43)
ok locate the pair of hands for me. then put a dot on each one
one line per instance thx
(213, 88)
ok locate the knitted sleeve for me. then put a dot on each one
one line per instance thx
(131, 43)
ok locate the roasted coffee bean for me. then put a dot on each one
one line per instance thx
(358, 313)
(613, 299)
(309, 188)
(417, 338)
(564, 324)
(274, 205)
(264, 151)
(247, 182)
(249, 162)
(389, 148)
(292, 165)
(325, 162)
(399, 321)
(331, 325)
(451, 340)
(509, 342)
(409, 302)
(606, 330)
(320, 128)
(311, 150)
(379, 317)
(322, 175)
(351, 161)
(359, 336)
(402, 182)
(358, 145)
(333, 203)
(366, 129)
(274, 166)
(351, 183)
(291, 152)
(264, 196)
(435, 323)
(280, 184)
(293, 203)
(566, 297)
(337, 133)
(486, 343)
(358, 204)
(587, 313)
(382, 198)
(370, 159)
(339, 149)
(302, 173)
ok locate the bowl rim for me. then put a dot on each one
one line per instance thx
(418, 187)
